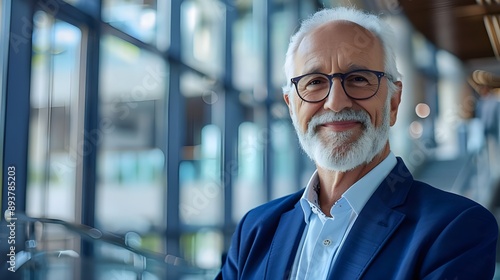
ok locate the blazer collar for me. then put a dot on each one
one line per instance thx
(375, 224)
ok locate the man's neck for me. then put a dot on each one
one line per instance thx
(334, 183)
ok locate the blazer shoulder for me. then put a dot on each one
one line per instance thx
(419, 200)
(400, 188)
(434, 203)
(433, 194)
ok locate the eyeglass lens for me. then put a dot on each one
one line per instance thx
(357, 85)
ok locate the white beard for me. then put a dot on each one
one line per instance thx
(332, 150)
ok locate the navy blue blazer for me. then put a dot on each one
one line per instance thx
(407, 230)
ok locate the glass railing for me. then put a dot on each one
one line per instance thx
(54, 249)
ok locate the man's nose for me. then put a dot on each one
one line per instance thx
(337, 100)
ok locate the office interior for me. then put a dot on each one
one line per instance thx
(139, 132)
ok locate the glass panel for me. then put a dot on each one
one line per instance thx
(202, 32)
(201, 189)
(284, 162)
(90, 6)
(248, 187)
(204, 247)
(248, 56)
(140, 19)
(56, 120)
(48, 254)
(452, 81)
(280, 38)
(201, 204)
(130, 191)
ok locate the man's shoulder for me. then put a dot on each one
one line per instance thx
(434, 194)
(411, 191)
(420, 200)
(432, 201)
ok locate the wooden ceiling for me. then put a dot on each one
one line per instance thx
(454, 25)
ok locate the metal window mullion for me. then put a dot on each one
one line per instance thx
(175, 115)
(16, 123)
(17, 101)
(91, 37)
(231, 111)
(269, 155)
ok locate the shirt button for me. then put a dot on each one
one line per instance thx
(327, 242)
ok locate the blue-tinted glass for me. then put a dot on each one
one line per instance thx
(55, 150)
(89, 6)
(147, 20)
(130, 187)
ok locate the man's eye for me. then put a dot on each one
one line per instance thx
(356, 78)
(316, 82)
(359, 79)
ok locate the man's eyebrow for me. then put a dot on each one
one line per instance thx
(316, 69)
(312, 69)
(354, 66)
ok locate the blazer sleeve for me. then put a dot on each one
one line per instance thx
(465, 249)
(230, 264)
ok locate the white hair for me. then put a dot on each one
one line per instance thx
(370, 22)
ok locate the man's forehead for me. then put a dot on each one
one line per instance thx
(340, 31)
(342, 41)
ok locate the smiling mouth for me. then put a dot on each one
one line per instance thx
(340, 126)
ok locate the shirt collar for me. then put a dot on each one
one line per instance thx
(357, 195)
(309, 198)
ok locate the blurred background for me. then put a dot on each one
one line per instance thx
(139, 132)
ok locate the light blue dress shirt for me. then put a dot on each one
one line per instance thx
(324, 236)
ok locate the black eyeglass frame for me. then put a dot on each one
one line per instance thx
(379, 75)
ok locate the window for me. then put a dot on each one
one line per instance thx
(202, 31)
(168, 138)
(130, 190)
(201, 205)
(140, 19)
(56, 123)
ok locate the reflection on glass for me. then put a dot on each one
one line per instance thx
(248, 65)
(202, 34)
(90, 6)
(130, 191)
(248, 187)
(204, 248)
(201, 191)
(201, 205)
(283, 147)
(56, 122)
(279, 44)
(452, 80)
(140, 19)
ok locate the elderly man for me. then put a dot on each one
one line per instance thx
(362, 215)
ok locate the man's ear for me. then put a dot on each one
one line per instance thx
(286, 97)
(395, 101)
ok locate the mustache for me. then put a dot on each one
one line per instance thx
(344, 115)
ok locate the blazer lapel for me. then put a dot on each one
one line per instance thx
(285, 243)
(366, 238)
(373, 227)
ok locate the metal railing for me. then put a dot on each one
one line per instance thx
(57, 257)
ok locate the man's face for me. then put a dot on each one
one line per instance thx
(340, 133)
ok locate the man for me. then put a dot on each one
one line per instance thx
(362, 215)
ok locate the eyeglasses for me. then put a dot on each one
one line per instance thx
(357, 84)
